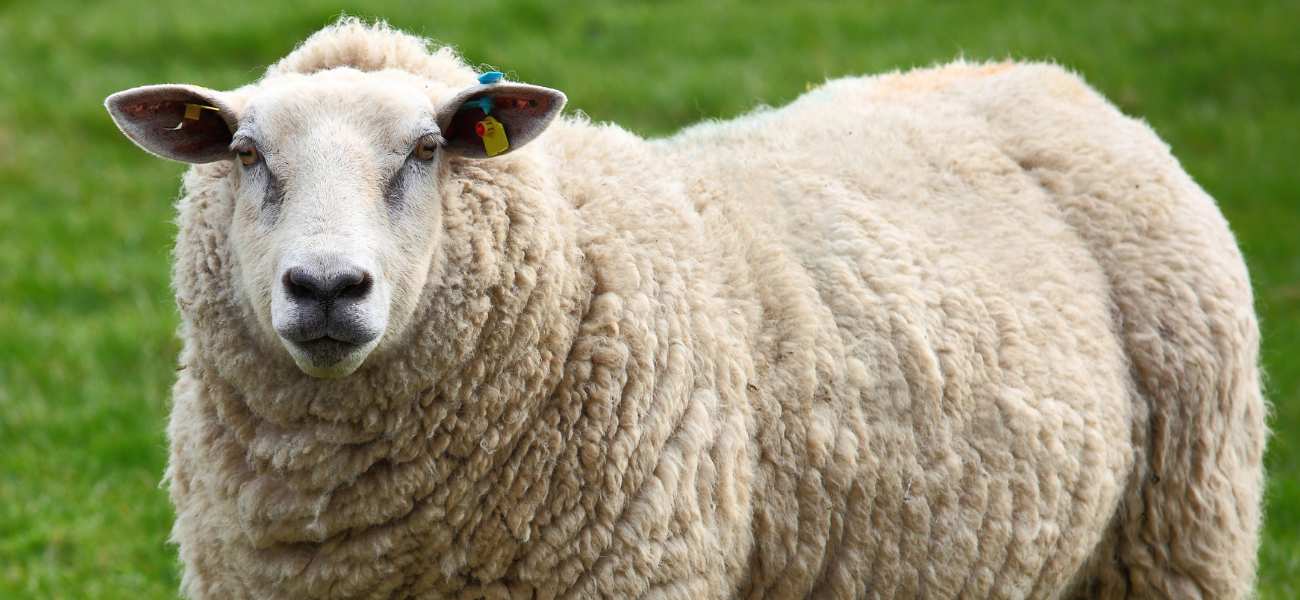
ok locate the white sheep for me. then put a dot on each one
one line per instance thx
(960, 332)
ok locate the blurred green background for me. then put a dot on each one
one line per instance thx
(87, 344)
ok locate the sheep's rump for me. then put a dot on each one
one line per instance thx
(966, 332)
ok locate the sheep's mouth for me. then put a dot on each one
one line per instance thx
(326, 351)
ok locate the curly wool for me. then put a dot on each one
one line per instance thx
(960, 332)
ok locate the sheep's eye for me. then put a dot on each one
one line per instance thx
(424, 150)
(248, 157)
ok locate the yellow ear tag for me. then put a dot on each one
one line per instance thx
(494, 136)
(192, 112)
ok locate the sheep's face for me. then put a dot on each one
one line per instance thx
(336, 191)
(336, 180)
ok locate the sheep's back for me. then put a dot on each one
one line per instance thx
(939, 397)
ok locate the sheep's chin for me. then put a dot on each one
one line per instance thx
(338, 359)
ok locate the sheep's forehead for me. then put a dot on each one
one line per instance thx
(376, 108)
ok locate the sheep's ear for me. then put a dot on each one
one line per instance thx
(523, 110)
(181, 122)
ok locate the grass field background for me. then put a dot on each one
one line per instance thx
(87, 344)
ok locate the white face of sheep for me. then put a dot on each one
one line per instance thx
(336, 181)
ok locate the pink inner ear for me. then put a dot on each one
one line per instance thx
(463, 122)
(522, 117)
(202, 135)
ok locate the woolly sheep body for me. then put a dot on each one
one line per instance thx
(960, 332)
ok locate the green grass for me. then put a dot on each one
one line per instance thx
(87, 346)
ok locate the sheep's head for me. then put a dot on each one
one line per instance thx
(336, 178)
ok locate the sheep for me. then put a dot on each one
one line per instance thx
(965, 331)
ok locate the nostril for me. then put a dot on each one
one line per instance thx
(357, 288)
(304, 285)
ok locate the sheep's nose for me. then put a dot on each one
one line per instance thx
(329, 301)
(341, 284)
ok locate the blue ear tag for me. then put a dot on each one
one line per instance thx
(486, 103)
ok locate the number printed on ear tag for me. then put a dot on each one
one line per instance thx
(494, 136)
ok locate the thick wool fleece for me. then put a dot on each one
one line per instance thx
(961, 332)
